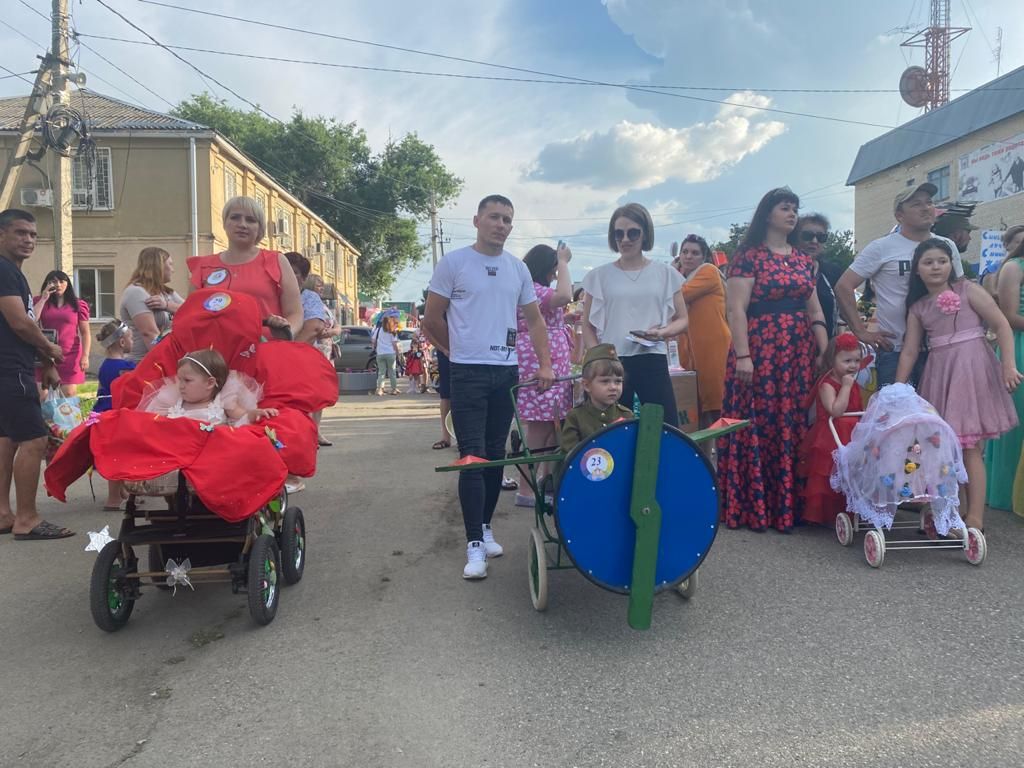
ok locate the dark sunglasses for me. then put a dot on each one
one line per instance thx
(807, 237)
(632, 234)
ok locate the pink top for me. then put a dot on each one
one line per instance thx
(259, 278)
(64, 320)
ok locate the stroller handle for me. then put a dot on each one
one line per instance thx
(832, 426)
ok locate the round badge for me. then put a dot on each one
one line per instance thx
(597, 464)
(217, 302)
(217, 277)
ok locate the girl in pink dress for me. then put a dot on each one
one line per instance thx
(58, 309)
(541, 410)
(962, 378)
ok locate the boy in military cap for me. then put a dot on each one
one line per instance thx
(602, 381)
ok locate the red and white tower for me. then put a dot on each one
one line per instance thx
(928, 87)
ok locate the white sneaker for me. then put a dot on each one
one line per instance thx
(476, 561)
(491, 547)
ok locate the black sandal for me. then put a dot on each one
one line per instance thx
(45, 530)
(441, 444)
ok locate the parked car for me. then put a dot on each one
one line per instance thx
(354, 349)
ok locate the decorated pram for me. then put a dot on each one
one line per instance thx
(900, 453)
(227, 516)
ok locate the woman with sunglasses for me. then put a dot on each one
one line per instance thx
(810, 236)
(704, 346)
(775, 320)
(636, 304)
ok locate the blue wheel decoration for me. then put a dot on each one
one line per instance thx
(592, 507)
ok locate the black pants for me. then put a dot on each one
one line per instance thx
(647, 376)
(481, 414)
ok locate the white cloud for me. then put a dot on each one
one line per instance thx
(642, 155)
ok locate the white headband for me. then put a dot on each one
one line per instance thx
(193, 360)
(114, 337)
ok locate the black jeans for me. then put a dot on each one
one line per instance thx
(481, 414)
(647, 376)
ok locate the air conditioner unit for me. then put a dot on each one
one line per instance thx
(37, 198)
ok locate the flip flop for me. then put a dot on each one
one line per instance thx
(441, 444)
(8, 529)
(45, 530)
(509, 484)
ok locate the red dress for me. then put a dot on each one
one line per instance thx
(413, 363)
(757, 465)
(260, 278)
(821, 503)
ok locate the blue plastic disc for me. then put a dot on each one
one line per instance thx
(592, 507)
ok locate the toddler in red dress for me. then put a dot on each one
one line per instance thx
(836, 393)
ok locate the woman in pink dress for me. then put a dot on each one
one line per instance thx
(58, 309)
(542, 410)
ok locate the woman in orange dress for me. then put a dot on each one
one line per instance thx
(245, 267)
(704, 346)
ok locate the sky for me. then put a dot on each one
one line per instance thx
(744, 90)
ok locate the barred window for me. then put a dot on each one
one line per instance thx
(92, 181)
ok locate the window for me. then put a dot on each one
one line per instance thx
(303, 238)
(940, 178)
(261, 200)
(92, 181)
(95, 286)
(329, 264)
(284, 221)
(230, 184)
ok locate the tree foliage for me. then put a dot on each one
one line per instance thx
(374, 199)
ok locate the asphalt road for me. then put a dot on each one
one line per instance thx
(793, 653)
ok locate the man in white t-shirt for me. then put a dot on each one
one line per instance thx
(471, 317)
(886, 263)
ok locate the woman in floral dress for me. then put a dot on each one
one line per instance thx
(541, 410)
(775, 321)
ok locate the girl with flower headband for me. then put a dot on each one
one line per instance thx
(962, 377)
(836, 393)
(206, 390)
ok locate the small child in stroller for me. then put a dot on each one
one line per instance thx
(206, 390)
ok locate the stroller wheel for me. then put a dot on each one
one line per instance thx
(844, 529)
(111, 597)
(538, 570)
(874, 548)
(264, 567)
(976, 548)
(688, 587)
(293, 545)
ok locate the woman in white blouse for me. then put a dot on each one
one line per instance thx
(636, 304)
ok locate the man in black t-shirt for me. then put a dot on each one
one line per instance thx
(22, 429)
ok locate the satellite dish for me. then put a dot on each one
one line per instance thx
(914, 86)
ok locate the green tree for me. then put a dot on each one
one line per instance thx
(374, 199)
(729, 245)
(838, 254)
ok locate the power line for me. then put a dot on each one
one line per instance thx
(17, 75)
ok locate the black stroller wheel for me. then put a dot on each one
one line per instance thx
(264, 590)
(293, 545)
(111, 597)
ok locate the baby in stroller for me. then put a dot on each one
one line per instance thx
(901, 451)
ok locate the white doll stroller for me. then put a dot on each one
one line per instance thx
(902, 452)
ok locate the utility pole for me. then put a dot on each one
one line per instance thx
(36, 106)
(433, 227)
(998, 53)
(63, 254)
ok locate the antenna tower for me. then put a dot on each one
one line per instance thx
(935, 40)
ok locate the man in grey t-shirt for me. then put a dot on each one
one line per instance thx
(471, 317)
(886, 263)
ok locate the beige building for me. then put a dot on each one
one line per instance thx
(972, 149)
(153, 176)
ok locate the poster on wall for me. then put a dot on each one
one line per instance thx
(993, 172)
(992, 251)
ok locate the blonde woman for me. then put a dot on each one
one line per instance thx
(148, 302)
(246, 268)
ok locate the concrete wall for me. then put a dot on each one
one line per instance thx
(873, 196)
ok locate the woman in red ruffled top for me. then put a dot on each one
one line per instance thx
(245, 267)
(836, 393)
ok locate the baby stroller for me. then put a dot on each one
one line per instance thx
(902, 452)
(227, 516)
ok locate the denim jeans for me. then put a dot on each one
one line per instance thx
(481, 414)
(886, 362)
(386, 367)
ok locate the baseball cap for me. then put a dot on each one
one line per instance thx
(906, 194)
(951, 223)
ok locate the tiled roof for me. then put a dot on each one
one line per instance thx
(985, 105)
(102, 113)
